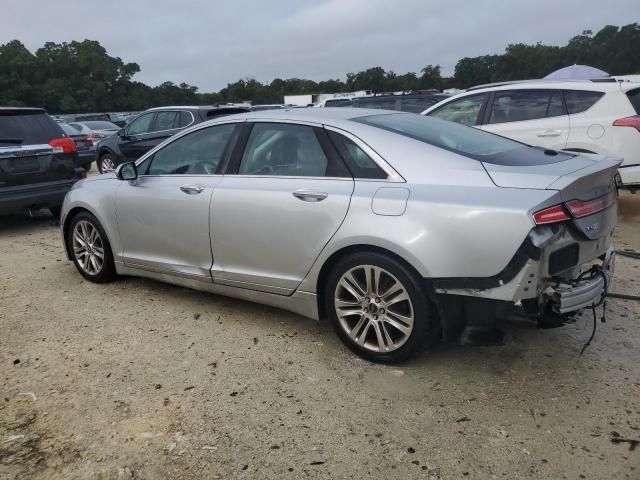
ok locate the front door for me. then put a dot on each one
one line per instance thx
(163, 215)
(272, 216)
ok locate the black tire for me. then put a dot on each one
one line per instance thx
(108, 157)
(107, 273)
(425, 326)
(87, 166)
(55, 211)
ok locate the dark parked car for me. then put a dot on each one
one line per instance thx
(116, 118)
(411, 102)
(38, 162)
(151, 128)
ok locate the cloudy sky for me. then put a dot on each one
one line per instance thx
(209, 43)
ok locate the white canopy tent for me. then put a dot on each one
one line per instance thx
(577, 72)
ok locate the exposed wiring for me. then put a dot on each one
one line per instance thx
(597, 270)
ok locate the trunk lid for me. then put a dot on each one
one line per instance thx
(575, 177)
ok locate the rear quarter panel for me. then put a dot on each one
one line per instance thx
(446, 231)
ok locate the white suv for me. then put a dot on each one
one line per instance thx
(600, 116)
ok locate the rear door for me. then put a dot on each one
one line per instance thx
(284, 196)
(535, 117)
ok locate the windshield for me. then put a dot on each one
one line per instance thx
(101, 125)
(467, 141)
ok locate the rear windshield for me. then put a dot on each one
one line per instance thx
(27, 128)
(634, 97)
(101, 125)
(467, 141)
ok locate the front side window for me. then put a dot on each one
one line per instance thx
(465, 111)
(580, 100)
(165, 121)
(521, 105)
(198, 153)
(281, 149)
(140, 125)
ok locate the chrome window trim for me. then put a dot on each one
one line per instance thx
(392, 174)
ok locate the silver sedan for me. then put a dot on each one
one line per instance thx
(400, 229)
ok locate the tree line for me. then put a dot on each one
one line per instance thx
(80, 76)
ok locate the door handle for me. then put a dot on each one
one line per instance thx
(550, 133)
(192, 189)
(310, 195)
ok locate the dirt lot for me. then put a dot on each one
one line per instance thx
(137, 379)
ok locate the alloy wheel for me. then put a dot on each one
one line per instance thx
(107, 165)
(88, 247)
(374, 308)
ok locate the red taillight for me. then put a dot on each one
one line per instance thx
(63, 145)
(553, 214)
(633, 122)
(579, 209)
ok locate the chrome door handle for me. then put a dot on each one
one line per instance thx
(192, 189)
(310, 195)
(549, 133)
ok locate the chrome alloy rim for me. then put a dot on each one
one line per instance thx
(374, 308)
(88, 247)
(108, 165)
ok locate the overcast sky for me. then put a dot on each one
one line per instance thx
(209, 43)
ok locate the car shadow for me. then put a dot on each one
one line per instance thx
(22, 223)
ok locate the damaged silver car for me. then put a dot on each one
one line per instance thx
(400, 229)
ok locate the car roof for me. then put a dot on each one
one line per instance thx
(328, 115)
(601, 85)
(23, 109)
(193, 107)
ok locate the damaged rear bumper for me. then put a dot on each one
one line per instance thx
(570, 296)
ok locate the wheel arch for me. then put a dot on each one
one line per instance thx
(331, 261)
(69, 216)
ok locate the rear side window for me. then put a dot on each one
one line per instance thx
(465, 111)
(185, 119)
(634, 98)
(522, 105)
(580, 100)
(360, 164)
(27, 128)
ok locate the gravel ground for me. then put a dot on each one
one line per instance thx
(137, 379)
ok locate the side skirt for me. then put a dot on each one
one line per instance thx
(302, 303)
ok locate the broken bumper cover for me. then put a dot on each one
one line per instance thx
(575, 295)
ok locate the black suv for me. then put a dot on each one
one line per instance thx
(38, 162)
(151, 128)
(408, 102)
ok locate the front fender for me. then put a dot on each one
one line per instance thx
(96, 196)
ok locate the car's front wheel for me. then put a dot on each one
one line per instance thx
(107, 163)
(378, 307)
(90, 249)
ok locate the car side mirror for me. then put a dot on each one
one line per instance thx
(122, 133)
(127, 171)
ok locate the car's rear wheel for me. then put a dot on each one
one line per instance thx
(378, 307)
(90, 249)
(107, 163)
